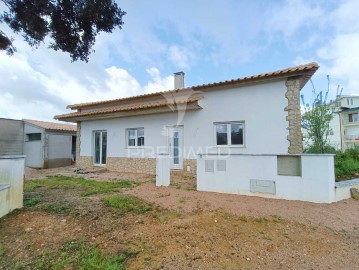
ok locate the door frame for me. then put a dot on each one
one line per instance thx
(101, 147)
(170, 131)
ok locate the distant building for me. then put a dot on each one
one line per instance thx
(345, 124)
(49, 145)
(45, 144)
(11, 137)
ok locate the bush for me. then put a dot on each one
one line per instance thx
(346, 164)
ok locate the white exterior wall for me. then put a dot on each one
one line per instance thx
(316, 183)
(260, 106)
(11, 183)
(34, 150)
(335, 139)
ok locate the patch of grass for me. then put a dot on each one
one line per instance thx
(182, 200)
(32, 202)
(126, 204)
(81, 255)
(167, 216)
(88, 187)
(261, 220)
(277, 218)
(243, 218)
(57, 208)
(267, 237)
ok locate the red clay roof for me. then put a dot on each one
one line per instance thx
(51, 125)
(305, 71)
(148, 105)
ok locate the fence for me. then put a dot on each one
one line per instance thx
(11, 183)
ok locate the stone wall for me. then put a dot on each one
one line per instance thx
(294, 117)
(131, 165)
(192, 163)
(83, 162)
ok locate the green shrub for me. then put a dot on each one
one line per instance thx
(32, 202)
(346, 164)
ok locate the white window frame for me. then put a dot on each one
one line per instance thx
(229, 128)
(136, 137)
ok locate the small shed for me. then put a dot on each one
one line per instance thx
(48, 144)
(11, 137)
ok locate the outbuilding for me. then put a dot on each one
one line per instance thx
(49, 145)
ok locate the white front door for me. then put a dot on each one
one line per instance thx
(175, 146)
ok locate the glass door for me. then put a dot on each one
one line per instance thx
(175, 145)
(100, 147)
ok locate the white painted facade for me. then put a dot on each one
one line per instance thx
(316, 182)
(260, 107)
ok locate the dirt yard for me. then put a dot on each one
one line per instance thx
(170, 228)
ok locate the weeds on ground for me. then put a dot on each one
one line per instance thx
(122, 204)
(88, 187)
(32, 202)
(261, 220)
(77, 255)
(167, 216)
(57, 208)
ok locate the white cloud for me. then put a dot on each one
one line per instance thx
(180, 56)
(343, 55)
(290, 17)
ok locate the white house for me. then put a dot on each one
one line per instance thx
(345, 124)
(257, 114)
(48, 145)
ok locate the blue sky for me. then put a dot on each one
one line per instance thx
(209, 40)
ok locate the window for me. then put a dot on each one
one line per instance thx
(100, 147)
(229, 133)
(135, 137)
(33, 137)
(353, 117)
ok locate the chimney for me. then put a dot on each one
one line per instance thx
(179, 80)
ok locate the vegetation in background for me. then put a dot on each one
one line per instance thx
(347, 164)
(316, 122)
(88, 187)
(126, 204)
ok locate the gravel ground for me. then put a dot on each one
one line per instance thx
(341, 216)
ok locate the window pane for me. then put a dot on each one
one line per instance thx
(104, 147)
(140, 137)
(33, 136)
(132, 137)
(97, 147)
(176, 148)
(221, 131)
(236, 134)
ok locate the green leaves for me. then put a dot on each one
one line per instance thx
(72, 25)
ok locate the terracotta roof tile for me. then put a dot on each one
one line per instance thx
(51, 125)
(148, 105)
(306, 71)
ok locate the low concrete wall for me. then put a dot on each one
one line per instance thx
(342, 189)
(304, 177)
(11, 183)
